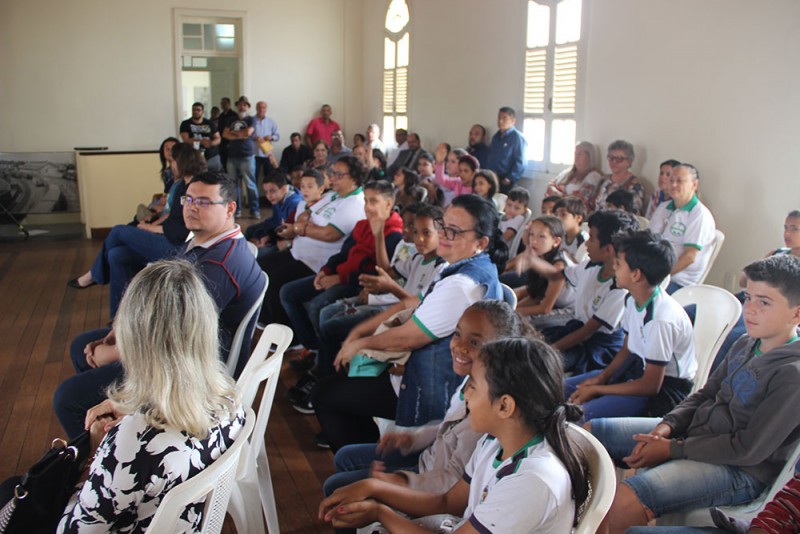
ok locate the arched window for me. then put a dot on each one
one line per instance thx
(551, 81)
(395, 69)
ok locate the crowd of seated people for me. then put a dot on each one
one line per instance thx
(389, 265)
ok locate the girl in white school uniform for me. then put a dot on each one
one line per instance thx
(524, 475)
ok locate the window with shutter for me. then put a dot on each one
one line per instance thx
(395, 69)
(551, 81)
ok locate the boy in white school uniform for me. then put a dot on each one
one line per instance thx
(654, 370)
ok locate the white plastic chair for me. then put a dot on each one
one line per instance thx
(581, 253)
(702, 516)
(254, 493)
(601, 475)
(246, 328)
(213, 485)
(719, 239)
(717, 313)
(500, 201)
(513, 249)
(509, 296)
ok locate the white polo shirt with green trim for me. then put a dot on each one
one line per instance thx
(660, 333)
(689, 226)
(438, 313)
(528, 492)
(340, 212)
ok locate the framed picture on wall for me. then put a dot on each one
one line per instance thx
(38, 182)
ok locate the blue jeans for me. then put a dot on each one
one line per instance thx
(672, 287)
(296, 295)
(244, 170)
(125, 252)
(607, 405)
(335, 323)
(354, 463)
(676, 485)
(87, 388)
(428, 384)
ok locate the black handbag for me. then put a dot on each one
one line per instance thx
(35, 501)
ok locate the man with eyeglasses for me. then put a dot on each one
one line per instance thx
(688, 225)
(227, 266)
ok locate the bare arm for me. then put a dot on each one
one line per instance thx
(346, 506)
(685, 259)
(406, 337)
(578, 336)
(367, 328)
(646, 386)
(384, 283)
(314, 231)
(554, 287)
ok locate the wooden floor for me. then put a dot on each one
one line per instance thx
(41, 315)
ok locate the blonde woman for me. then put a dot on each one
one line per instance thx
(172, 415)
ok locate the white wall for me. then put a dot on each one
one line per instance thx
(95, 72)
(467, 58)
(713, 83)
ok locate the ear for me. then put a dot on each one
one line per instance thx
(483, 243)
(637, 275)
(506, 407)
(558, 241)
(579, 218)
(796, 314)
(231, 209)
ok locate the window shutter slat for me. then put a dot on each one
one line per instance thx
(535, 77)
(401, 91)
(388, 91)
(565, 77)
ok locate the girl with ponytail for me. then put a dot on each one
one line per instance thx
(524, 475)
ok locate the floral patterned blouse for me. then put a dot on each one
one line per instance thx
(607, 187)
(134, 467)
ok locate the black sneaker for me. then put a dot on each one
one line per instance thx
(321, 440)
(302, 389)
(304, 406)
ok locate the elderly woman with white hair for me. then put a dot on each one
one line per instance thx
(620, 157)
(582, 179)
(173, 414)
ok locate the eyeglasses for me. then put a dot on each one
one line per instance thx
(449, 233)
(186, 200)
(616, 159)
(338, 174)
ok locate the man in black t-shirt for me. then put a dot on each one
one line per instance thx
(204, 135)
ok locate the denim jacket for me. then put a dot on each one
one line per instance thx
(429, 380)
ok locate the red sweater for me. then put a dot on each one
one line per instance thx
(357, 255)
